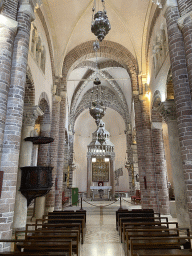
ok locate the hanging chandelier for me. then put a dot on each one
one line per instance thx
(100, 25)
(157, 2)
(97, 108)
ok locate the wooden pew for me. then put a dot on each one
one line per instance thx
(62, 223)
(67, 212)
(163, 232)
(169, 252)
(162, 244)
(53, 235)
(135, 213)
(38, 247)
(142, 221)
(65, 216)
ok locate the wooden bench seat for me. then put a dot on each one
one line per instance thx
(144, 233)
(169, 252)
(142, 222)
(39, 247)
(138, 215)
(82, 212)
(61, 223)
(160, 243)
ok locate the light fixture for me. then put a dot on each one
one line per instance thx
(97, 108)
(100, 25)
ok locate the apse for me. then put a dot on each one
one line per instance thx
(84, 127)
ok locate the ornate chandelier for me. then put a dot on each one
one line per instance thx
(97, 108)
(100, 24)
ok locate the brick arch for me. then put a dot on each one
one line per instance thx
(29, 99)
(45, 107)
(108, 49)
(156, 101)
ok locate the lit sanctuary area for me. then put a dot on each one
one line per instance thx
(96, 127)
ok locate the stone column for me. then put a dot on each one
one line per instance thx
(50, 198)
(112, 176)
(14, 115)
(60, 163)
(43, 160)
(167, 109)
(185, 25)
(89, 174)
(29, 117)
(130, 159)
(160, 168)
(8, 29)
(182, 94)
(147, 179)
(140, 148)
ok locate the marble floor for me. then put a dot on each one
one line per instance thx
(101, 237)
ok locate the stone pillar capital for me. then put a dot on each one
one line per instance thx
(167, 110)
(7, 22)
(169, 4)
(182, 20)
(156, 125)
(30, 115)
(63, 94)
(57, 98)
(27, 6)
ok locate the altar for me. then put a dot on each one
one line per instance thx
(101, 191)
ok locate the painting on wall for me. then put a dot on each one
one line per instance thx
(100, 170)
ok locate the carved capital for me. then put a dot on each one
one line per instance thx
(30, 115)
(182, 20)
(63, 94)
(167, 110)
(9, 23)
(57, 98)
(169, 4)
(27, 6)
(156, 125)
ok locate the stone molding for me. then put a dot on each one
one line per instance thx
(168, 4)
(63, 94)
(167, 110)
(7, 22)
(181, 20)
(30, 115)
(156, 125)
(135, 93)
(28, 8)
(57, 98)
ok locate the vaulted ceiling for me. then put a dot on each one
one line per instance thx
(70, 26)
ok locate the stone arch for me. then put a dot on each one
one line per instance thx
(108, 49)
(108, 97)
(45, 107)
(29, 99)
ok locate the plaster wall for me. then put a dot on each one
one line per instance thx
(84, 127)
(42, 82)
(158, 81)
